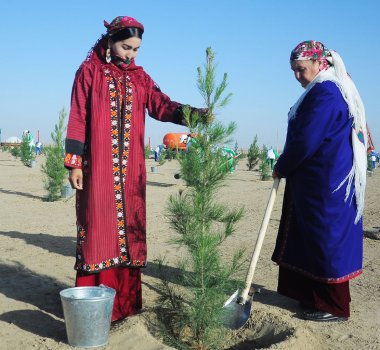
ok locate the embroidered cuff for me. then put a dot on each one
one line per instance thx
(73, 161)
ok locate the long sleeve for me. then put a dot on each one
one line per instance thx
(307, 131)
(79, 111)
(160, 106)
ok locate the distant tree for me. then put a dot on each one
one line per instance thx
(253, 155)
(147, 151)
(53, 168)
(236, 148)
(162, 158)
(264, 167)
(27, 150)
(15, 151)
(170, 153)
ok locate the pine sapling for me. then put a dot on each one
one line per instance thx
(253, 155)
(264, 167)
(53, 168)
(27, 154)
(146, 151)
(192, 314)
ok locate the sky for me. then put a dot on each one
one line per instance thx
(44, 42)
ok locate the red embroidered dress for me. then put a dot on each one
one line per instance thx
(105, 137)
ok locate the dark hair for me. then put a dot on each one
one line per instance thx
(127, 33)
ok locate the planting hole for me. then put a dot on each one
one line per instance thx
(262, 330)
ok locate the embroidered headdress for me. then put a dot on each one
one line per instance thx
(98, 50)
(122, 22)
(335, 71)
(309, 50)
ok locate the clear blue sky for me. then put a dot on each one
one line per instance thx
(44, 42)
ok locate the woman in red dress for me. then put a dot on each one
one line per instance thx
(105, 155)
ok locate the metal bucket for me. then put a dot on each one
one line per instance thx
(87, 312)
(67, 191)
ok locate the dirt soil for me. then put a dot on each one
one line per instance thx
(37, 245)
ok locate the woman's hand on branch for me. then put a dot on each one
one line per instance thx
(204, 115)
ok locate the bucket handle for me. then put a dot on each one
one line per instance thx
(104, 286)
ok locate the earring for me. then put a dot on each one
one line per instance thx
(108, 55)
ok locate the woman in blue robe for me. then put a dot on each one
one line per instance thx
(319, 247)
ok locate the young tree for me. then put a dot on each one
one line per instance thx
(53, 168)
(170, 153)
(253, 155)
(236, 148)
(192, 314)
(15, 151)
(264, 167)
(27, 150)
(147, 151)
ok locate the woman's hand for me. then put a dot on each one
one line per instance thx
(76, 179)
(204, 115)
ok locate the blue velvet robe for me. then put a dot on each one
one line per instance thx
(317, 235)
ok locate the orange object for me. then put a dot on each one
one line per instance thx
(175, 140)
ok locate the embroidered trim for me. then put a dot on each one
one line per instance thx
(328, 280)
(119, 166)
(73, 160)
(120, 132)
(106, 264)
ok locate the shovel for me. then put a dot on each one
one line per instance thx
(237, 308)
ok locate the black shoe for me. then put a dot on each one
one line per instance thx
(321, 316)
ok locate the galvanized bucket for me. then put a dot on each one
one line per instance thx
(66, 191)
(87, 312)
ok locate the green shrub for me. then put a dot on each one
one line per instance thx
(253, 155)
(27, 153)
(53, 168)
(162, 158)
(15, 152)
(170, 154)
(147, 151)
(264, 167)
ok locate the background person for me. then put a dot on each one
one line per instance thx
(373, 156)
(38, 148)
(28, 137)
(157, 153)
(319, 246)
(105, 151)
(271, 156)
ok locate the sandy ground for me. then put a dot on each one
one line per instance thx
(37, 243)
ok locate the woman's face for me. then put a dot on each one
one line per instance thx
(305, 70)
(127, 48)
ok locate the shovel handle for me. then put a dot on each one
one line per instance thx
(259, 242)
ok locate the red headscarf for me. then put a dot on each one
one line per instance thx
(122, 22)
(98, 51)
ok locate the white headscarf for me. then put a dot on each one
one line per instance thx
(337, 73)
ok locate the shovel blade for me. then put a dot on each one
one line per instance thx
(235, 315)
